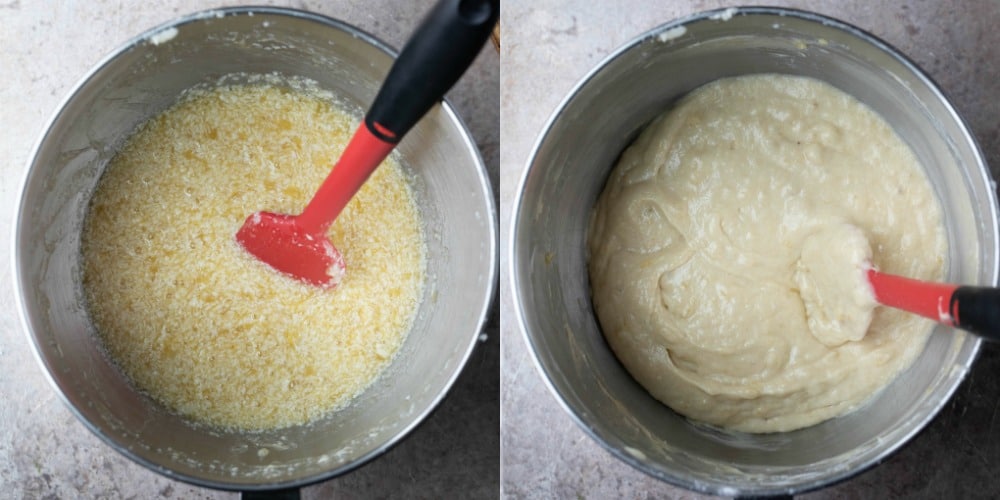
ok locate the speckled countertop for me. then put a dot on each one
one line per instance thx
(47, 46)
(548, 46)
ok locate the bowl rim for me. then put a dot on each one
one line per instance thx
(666, 30)
(152, 35)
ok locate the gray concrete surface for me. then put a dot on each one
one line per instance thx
(45, 47)
(548, 46)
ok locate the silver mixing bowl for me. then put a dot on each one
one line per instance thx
(145, 77)
(568, 168)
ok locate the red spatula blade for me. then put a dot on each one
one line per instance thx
(280, 242)
(972, 308)
(930, 300)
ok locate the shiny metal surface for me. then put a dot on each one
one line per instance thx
(567, 170)
(143, 78)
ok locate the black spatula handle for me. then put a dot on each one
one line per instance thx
(977, 309)
(437, 54)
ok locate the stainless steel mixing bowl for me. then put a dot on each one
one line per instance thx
(143, 78)
(568, 168)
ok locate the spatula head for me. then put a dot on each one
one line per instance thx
(278, 241)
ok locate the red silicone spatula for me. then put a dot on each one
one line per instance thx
(975, 309)
(436, 55)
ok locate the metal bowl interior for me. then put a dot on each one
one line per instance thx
(577, 150)
(142, 79)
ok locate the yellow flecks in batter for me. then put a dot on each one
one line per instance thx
(201, 325)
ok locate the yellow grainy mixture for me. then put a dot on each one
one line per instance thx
(197, 322)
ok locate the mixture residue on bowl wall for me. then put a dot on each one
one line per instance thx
(163, 36)
(671, 34)
(695, 243)
(202, 326)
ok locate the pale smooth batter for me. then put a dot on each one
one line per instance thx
(198, 323)
(721, 232)
(830, 276)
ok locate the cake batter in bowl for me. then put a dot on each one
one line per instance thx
(570, 165)
(144, 78)
(707, 253)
